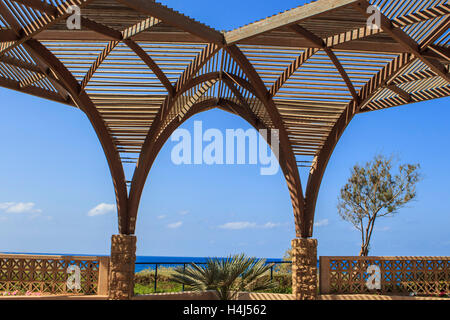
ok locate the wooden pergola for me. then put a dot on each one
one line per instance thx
(138, 70)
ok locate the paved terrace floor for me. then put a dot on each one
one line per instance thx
(246, 296)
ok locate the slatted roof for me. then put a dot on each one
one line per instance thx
(139, 69)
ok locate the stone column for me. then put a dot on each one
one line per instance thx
(121, 274)
(304, 269)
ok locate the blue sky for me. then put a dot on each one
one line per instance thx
(53, 165)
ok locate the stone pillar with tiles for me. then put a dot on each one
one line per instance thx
(304, 269)
(121, 274)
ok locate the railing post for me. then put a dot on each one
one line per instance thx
(324, 275)
(156, 277)
(103, 274)
(184, 271)
(271, 273)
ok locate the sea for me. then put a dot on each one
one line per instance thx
(146, 262)
(149, 262)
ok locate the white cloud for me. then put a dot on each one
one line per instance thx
(5, 205)
(247, 225)
(102, 208)
(174, 225)
(184, 212)
(322, 223)
(270, 225)
(238, 225)
(19, 207)
(161, 216)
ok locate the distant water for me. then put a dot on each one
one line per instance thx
(164, 261)
(172, 261)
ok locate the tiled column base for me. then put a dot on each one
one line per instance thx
(121, 274)
(304, 269)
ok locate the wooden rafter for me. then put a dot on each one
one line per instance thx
(125, 37)
(35, 91)
(151, 64)
(170, 17)
(19, 63)
(440, 51)
(402, 93)
(437, 32)
(295, 65)
(407, 42)
(320, 43)
(40, 24)
(284, 19)
(40, 6)
(102, 56)
(12, 21)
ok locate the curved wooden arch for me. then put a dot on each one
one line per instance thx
(140, 173)
(149, 153)
(80, 97)
(223, 104)
(293, 176)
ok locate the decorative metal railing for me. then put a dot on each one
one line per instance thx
(47, 274)
(386, 275)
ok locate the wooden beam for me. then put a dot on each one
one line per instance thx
(96, 64)
(343, 73)
(436, 33)
(19, 63)
(175, 19)
(442, 52)
(183, 37)
(402, 93)
(321, 43)
(417, 96)
(40, 6)
(289, 71)
(406, 41)
(32, 79)
(117, 35)
(101, 29)
(7, 35)
(88, 35)
(216, 75)
(34, 91)
(413, 76)
(41, 23)
(11, 20)
(140, 27)
(285, 19)
(151, 64)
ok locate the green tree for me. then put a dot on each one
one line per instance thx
(226, 276)
(379, 189)
(285, 268)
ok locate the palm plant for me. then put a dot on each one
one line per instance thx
(226, 276)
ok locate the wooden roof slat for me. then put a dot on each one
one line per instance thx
(284, 19)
